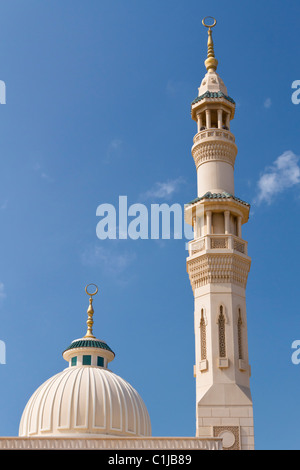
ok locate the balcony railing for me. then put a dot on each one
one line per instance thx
(214, 133)
(218, 242)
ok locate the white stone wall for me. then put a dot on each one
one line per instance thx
(212, 420)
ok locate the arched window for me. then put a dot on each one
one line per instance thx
(203, 336)
(221, 325)
(239, 328)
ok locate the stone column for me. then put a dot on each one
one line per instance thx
(228, 120)
(208, 222)
(239, 227)
(199, 121)
(226, 216)
(220, 120)
(195, 228)
(208, 118)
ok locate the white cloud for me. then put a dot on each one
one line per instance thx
(281, 175)
(268, 103)
(163, 190)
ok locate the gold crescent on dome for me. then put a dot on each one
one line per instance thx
(209, 25)
(91, 293)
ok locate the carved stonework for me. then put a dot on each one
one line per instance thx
(212, 150)
(230, 436)
(218, 268)
(107, 443)
(203, 337)
(222, 342)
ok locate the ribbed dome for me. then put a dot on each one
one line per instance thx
(85, 400)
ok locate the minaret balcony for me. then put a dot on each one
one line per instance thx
(214, 134)
(218, 243)
(214, 144)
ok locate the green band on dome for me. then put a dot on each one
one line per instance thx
(88, 343)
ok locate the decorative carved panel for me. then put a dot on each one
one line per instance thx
(230, 435)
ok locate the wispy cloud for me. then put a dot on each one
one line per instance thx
(176, 87)
(173, 87)
(267, 103)
(3, 205)
(163, 190)
(114, 262)
(114, 148)
(38, 169)
(283, 174)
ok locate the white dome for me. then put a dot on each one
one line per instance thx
(85, 400)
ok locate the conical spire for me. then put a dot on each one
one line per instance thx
(211, 62)
(90, 312)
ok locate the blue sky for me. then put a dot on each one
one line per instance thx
(98, 98)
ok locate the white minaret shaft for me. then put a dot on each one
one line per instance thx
(218, 267)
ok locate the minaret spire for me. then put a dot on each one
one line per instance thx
(90, 312)
(218, 265)
(211, 62)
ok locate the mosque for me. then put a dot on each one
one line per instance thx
(88, 406)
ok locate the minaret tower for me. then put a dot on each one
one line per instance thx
(218, 265)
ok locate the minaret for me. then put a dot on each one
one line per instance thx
(218, 265)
